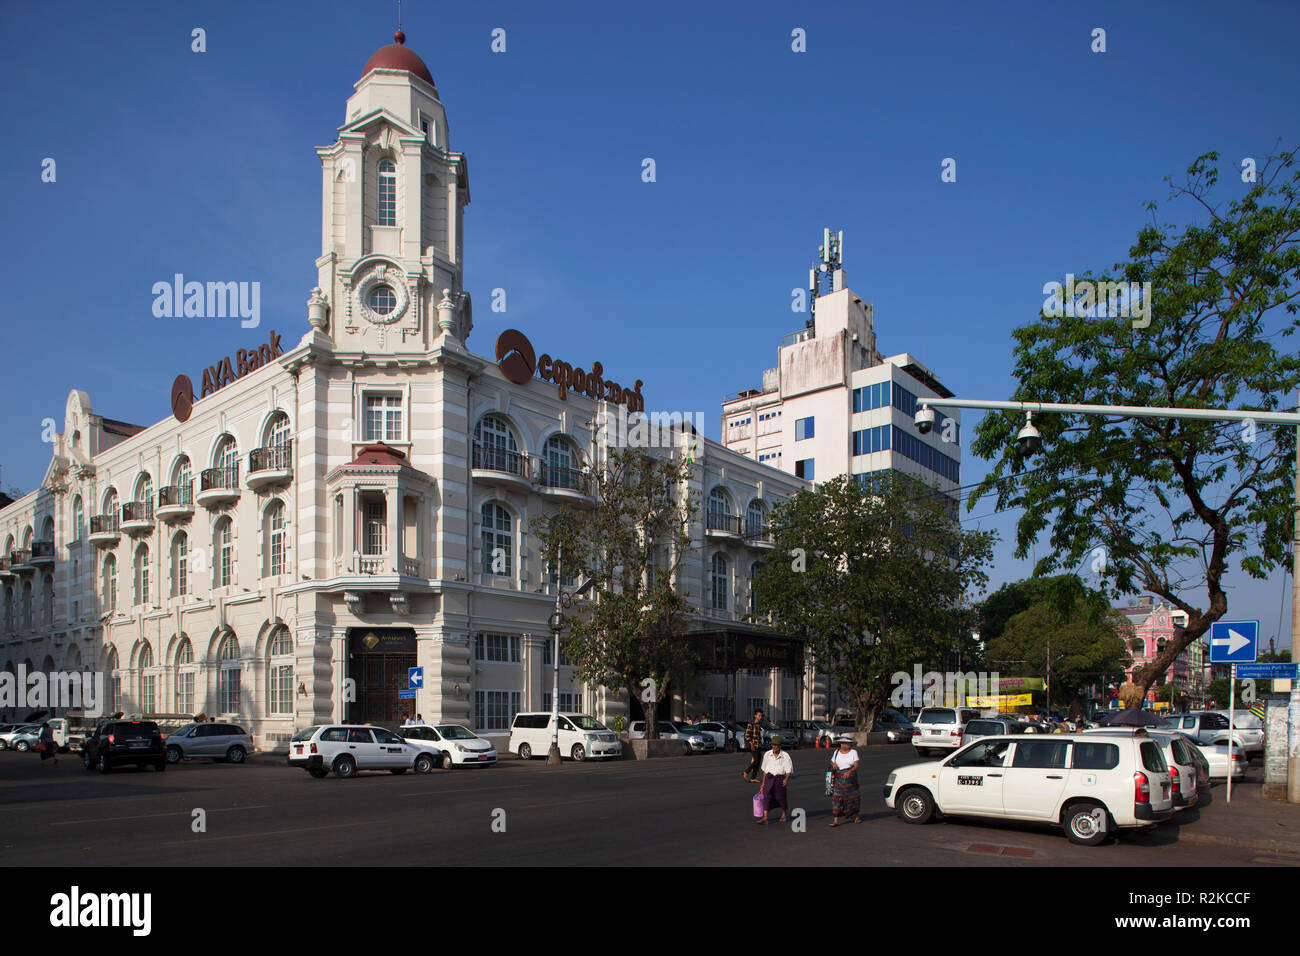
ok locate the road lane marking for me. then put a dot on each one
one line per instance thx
(438, 793)
(148, 816)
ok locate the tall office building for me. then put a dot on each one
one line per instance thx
(835, 405)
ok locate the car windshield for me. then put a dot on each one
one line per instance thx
(583, 722)
(455, 732)
(305, 734)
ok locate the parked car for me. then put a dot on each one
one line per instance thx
(455, 745)
(117, 742)
(991, 727)
(1222, 758)
(940, 728)
(1186, 782)
(346, 749)
(228, 743)
(581, 737)
(799, 733)
(667, 730)
(726, 735)
(1249, 731)
(15, 730)
(897, 725)
(1090, 786)
(1213, 726)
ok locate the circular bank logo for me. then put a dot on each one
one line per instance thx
(515, 356)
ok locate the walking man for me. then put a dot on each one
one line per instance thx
(754, 744)
(777, 768)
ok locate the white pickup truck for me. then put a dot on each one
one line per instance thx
(68, 735)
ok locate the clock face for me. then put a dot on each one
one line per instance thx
(182, 397)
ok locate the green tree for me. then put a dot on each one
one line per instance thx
(632, 544)
(873, 576)
(1082, 651)
(1168, 505)
(1218, 691)
(1063, 593)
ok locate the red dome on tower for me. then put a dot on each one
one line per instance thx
(398, 57)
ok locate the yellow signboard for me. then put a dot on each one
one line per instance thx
(1001, 701)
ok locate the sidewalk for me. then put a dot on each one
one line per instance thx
(1250, 821)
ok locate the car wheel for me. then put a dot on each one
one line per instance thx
(578, 753)
(450, 764)
(22, 746)
(345, 767)
(318, 772)
(423, 763)
(235, 754)
(915, 805)
(174, 755)
(525, 752)
(1086, 824)
(103, 763)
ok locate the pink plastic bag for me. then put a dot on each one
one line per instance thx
(760, 804)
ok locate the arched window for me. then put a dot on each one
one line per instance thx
(110, 502)
(47, 600)
(223, 553)
(563, 465)
(148, 680)
(227, 453)
(141, 575)
(718, 568)
(181, 472)
(279, 654)
(108, 583)
(228, 676)
(1138, 647)
(498, 540)
(144, 492)
(718, 516)
(274, 538)
(27, 539)
(386, 211)
(180, 564)
(114, 681)
(78, 519)
(47, 529)
(185, 670)
(277, 431)
(756, 519)
(494, 445)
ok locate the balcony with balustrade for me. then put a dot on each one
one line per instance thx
(218, 486)
(564, 483)
(20, 561)
(137, 517)
(758, 534)
(105, 529)
(175, 502)
(272, 465)
(43, 553)
(722, 526)
(501, 467)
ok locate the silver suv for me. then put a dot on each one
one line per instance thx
(226, 742)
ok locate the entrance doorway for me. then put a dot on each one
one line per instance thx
(379, 660)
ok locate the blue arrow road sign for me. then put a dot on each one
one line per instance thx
(1282, 671)
(415, 677)
(1234, 642)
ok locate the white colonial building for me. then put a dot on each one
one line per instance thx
(353, 502)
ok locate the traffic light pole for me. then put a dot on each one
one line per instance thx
(1201, 414)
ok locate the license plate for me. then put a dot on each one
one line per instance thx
(138, 744)
(484, 757)
(935, 733)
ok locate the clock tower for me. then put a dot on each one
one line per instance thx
(393, 199)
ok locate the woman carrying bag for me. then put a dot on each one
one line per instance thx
(846, 799)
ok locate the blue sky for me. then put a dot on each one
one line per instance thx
(202, 163)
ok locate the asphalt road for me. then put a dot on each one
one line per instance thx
(685, 811)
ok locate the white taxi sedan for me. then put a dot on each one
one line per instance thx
(1088, 785)
(456, 746)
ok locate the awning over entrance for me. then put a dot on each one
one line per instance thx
(727, 648)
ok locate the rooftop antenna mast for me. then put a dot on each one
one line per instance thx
(830, 261)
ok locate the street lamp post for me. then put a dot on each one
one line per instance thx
(553, 758)
(1201, 414)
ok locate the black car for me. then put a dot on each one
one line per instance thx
(117, 742)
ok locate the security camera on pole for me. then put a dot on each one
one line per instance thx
(1030, 442)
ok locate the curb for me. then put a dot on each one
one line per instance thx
(1276, 847)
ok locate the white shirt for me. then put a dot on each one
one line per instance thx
(418, 722)
(844, 760)
(408, 722)
(777, 765)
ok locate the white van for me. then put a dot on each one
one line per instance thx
(1089, 785)
(581, 737)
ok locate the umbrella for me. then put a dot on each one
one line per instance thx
(1136, 718)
